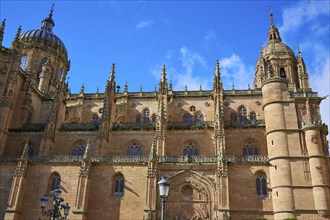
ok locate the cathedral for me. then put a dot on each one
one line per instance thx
(260, 153)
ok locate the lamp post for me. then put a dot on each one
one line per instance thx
(164, 188)
(55, 212)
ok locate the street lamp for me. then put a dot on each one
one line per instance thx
(55, 212)
(164, 188)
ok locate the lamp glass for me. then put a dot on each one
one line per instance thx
(164, 187)
(66, 209)
(57, 193)
(43, 201)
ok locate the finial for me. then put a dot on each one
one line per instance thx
(233, 87)
(112, 75)
(126, 87)
(200, 87)
(299, 53)
(271, 17)
(249, 86)
(186, 88)
(171, 86)
(51, 9)
(82, 89)
(15, 43)
(163, 79)
(25, 152)
(155, 90)
(97, 90)
(140, 89)
(2, 30)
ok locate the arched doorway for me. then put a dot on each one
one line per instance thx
(191, 197)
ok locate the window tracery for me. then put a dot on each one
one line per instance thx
(250, 148)
(54, 182)
(118, 185)
(187, 117)
(134, 149)
(146, 115)
(79, 149)
(190, 149)
(24, 60)
(261, 185)
(242, 114)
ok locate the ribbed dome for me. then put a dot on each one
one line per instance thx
(44, 36)
(277, 48)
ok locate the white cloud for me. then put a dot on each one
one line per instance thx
(189, 61)
(210, 39)
(144, 24)
(234, 71)
(304, 11)
(312, 19)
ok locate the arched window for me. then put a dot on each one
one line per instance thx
(199, 117)
(261, 185)
(190, 149)
(54, 182)
(154, 118)
(42, 62)
(253, 117)
(282, 73)
(233, 118)
(242, 114)
(138, 119)
(134, 149)
(95, 119)
(79, 148)
(118, 185)
(250, 148)
(59, 74)
(24, 60)
(187, 117)
(146, 115)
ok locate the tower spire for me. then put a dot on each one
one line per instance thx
(271, 17)
(48, 22)
(2, 30)
(15, 43)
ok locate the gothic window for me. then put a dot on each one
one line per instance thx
(242, 114)
(42, 62)
(253, 117)
(118, 185)
(54, 182)
(233, 118)
(138, 119)
(282, 73)
(146, 115)
(261, 185)
(95, 119)
(190, 149)
(187, 117)
(79, 148)
(154, 118)
(24, 60)
(134, 149)
(59, 75)
(199, 117)
(250, 148)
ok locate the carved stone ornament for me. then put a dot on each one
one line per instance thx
(207, 104)
(258, 103)
(133, 105)
(314, 140)
(179, 105)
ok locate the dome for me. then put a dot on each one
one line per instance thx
(44, 36)
(277, 48)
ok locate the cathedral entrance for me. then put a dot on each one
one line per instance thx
(191, 197)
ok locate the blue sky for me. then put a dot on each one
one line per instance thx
(187, 36)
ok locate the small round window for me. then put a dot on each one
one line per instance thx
(192, 108)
